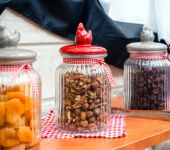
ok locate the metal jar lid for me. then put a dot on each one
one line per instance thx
(9, 53)
(147, 44)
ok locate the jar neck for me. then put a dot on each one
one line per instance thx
(83, 59)
(148, 56)
(99, 56)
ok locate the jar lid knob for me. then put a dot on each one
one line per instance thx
(146, 35)
(8, 39)
(83, 37)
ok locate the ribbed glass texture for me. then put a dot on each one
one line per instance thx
(20, 109)
(147, 86)
(83, 98)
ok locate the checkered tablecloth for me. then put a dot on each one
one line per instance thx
(117, 128)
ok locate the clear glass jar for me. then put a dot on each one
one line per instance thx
(83, 92)
(147, 79)
(20, 100)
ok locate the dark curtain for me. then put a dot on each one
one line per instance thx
(62, 17)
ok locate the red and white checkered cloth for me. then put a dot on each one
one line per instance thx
(117, 128)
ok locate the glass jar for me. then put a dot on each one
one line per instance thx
(83, 91)
(147, 78)
(20, 99)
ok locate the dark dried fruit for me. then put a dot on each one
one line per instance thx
(89, 113)
(85, 106)
(148, 89)
(97, 111)
(91, 119)
(77, 112)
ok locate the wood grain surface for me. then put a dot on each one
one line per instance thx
(141, 133)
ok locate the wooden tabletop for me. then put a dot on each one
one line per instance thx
(141, 133)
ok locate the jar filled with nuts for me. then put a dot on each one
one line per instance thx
(147, 78)
(19, 97)
(83, 87)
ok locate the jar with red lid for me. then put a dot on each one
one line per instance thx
(83, 86)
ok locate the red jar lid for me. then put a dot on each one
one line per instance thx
(83, 44)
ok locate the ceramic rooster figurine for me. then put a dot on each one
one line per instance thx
(83, 37)
(146, 35)
(8, 39)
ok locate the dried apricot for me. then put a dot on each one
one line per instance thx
(12, 88)
(28, 103)
(3, 97)
(15, 109)
(22, 88)
(15, 88)
(8, 137)
(24, 134)
(28, 116)
(19, 122)
(0, 139)
(18, 95)
(2, 113)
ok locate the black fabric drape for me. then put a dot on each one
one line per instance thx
(62, 17)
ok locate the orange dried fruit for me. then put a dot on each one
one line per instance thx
(18, 95)
(0, 139)
(28, 103)
(28, 116)
(8, 137)
(15, 88)
(8, 88)
(19, 122)
(15, 109)
(12, 88)
(24, 134)
(22, 88)
(3, 97)
(2, 113)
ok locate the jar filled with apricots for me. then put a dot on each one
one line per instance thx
(19, 98)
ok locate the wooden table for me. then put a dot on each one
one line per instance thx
(141, 133)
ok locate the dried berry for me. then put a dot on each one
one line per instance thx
(85, 106)
(92, 119)
(76, 111)
(89, 113)
(148, 89)
(97, 111)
